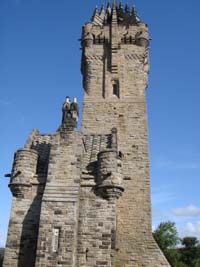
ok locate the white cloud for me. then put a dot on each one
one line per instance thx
(189, 211)
(190, 229)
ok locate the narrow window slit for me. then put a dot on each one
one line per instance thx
(116, 88)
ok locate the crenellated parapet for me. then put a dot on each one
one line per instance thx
(130, 28)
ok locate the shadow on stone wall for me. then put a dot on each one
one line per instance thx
(30, 228)
(1, 256)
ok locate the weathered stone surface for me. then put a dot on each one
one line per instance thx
(83, 199)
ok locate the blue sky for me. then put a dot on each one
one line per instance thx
(40, 65)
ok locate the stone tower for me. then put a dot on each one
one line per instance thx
(82, 199)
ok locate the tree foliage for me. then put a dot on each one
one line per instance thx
(191, 251)
(1, 256)
(167, 239)
(166, 235)
(190, 241)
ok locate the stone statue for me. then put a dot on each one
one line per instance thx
(70, 110)
(66, 110)
(74, 110)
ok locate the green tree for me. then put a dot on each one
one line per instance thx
(181, 264)
(173, 256)
(190, 241)
(1, 256)
(196, 261)
(166, 236)
(190, 253)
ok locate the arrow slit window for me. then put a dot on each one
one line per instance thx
(115, 87)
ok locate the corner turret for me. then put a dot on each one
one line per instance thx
(109, 170)
(23, 171)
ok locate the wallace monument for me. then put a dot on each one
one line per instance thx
(82, 199)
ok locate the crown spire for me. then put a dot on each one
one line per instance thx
(114, 3)
(134, 11)
(114, 12)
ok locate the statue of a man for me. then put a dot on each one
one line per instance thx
(66, 110)
(74, 109)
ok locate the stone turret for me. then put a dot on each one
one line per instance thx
(24, 169)
(109, 179)
(109, 170)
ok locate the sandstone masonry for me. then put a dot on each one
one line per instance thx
(82, 199)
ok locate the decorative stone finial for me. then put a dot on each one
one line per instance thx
(121, 5)
(102, 7)
(134, 11)
(120, 12)
(114, 3)
(127, 9)
(102, 13)
(96, 11)
(108, 10)
(95, 14)
(135, 15)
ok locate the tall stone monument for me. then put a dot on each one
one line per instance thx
(82, 199)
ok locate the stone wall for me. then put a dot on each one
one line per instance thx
(97, 229)
(60, 205)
